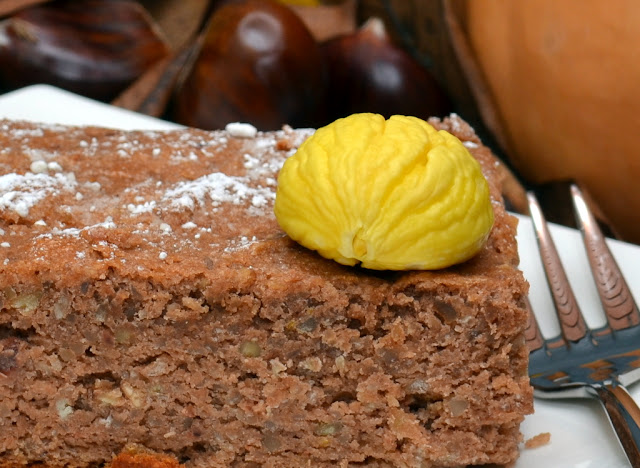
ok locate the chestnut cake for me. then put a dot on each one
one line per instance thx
(153, 313)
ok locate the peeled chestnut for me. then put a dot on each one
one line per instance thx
(368, 73)
(95, 47)
(259, 64)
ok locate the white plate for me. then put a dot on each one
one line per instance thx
(580, 433)
(47, 104)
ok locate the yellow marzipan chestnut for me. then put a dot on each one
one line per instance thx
(390, 194)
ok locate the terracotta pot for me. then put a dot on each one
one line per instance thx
(564, 78)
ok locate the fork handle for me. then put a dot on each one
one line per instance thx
(624, 414)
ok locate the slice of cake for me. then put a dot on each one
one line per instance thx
(150, 306)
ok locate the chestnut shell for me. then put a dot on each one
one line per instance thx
(368, 73)
(258, 64)
(95, 47)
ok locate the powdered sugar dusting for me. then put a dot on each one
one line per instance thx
(155, 195)
(219, 188)
(240, 244)
(39, 166)
(74, 232)
(241, 130)
(20, 193)
(145, 207)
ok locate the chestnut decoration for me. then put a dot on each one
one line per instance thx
(368, 73)
(259, 64)
(95, 48)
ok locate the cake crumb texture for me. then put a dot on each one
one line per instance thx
(127, 460)
(148, 299)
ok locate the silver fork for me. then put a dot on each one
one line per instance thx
(583, 362)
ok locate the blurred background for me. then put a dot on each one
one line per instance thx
(550, 86)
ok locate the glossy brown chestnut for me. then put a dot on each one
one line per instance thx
(94, 47)
(368, 73)
(258, 64)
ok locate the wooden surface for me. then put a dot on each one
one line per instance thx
(328, 21)
(10, 6)
(178, 20)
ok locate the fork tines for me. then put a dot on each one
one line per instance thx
(617, 301)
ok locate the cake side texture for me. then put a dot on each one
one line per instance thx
(150, 304)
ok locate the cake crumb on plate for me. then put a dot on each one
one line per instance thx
(537, 441)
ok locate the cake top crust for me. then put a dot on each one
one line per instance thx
(78, 203)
